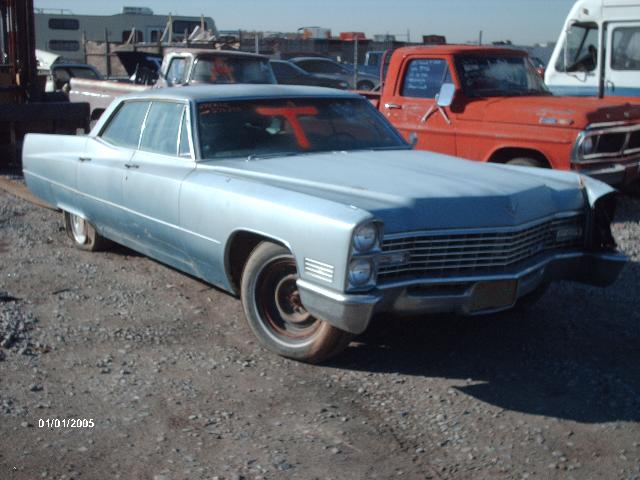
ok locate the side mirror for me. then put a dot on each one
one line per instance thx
(446, 95)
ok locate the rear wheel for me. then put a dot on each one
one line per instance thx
(83, 234)
(275, 313)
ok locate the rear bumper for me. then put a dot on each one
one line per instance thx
(353, 312)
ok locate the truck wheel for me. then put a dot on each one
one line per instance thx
(275, 314)
(83, 234)
(526, 162)
(365, 85)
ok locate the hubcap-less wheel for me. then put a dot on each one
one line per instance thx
(279, 304)
(79, 229)
(274, 309)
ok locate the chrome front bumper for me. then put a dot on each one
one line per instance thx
(353, 312)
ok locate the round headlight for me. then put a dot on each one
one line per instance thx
(588, 146)
(365, 237)
(360, 271)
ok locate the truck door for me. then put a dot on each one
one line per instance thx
(622, 69)
(412, 110)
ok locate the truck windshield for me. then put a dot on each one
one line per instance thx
(275, 127)
(499, 76)
(231, 69)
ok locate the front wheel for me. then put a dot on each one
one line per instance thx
(275, 313)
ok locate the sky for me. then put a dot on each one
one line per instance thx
(524, 22)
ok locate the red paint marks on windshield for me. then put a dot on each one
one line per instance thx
(292, 115)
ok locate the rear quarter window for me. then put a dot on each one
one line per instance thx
(123, 129)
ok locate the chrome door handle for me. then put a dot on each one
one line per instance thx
(84, 159)
(131, 165)
(390, 106)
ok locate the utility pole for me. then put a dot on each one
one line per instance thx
(355, 62)
(480, 38)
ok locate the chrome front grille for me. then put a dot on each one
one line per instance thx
(449, 254)
(607, 143)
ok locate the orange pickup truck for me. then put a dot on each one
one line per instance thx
(490, 104)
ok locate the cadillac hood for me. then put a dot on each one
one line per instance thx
(568, 112)
(412, 190)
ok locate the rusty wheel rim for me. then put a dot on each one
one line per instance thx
(279, 304)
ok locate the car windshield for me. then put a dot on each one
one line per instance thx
(229, 69)
(292, 126)
(499, 76)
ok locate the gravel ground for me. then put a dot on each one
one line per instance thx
(178, 389)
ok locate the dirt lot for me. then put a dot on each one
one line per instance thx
(177, 388)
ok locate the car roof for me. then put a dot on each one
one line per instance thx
(323, 59)
(461, 49)
(204, 93)
(208, 51)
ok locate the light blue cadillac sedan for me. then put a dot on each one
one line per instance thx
(307, 204)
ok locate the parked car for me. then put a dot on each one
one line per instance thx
(61, 74)
(288, 73)
(331, 68)
(372, 64)
(489, 104)
(310, 206)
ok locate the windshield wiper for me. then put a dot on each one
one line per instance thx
(256, 156)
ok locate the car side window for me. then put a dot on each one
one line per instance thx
(125, 126)
(161, 129)
(176, 72)
(184, 149)
(283, 69)
(626, 49)
(326, 67)
(424, 77)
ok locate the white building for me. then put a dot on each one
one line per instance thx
(61, 32)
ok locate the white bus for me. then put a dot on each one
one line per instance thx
(598, 52)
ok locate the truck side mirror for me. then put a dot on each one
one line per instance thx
(445, 97)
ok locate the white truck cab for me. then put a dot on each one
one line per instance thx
(598, 52)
